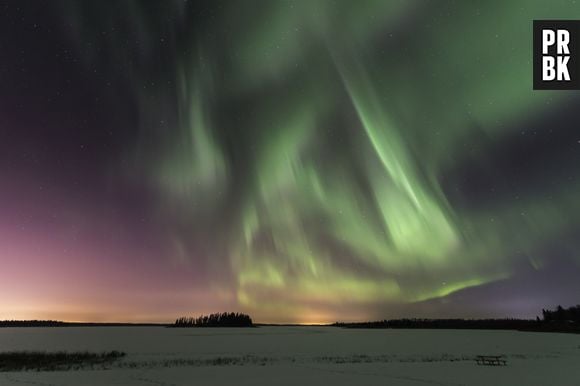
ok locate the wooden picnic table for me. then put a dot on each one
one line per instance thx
(491, 360)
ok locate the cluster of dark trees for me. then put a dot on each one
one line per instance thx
(225, 319)
(31, 323)
(560, 314)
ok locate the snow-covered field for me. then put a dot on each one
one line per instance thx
(301, 356)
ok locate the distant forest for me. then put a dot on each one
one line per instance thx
(225, 319)
(491, 324)
(31, 323)
(58, 323)
(559, 320)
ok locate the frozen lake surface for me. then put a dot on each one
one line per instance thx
(301, 355)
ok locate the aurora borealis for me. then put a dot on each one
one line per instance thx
(301, 161)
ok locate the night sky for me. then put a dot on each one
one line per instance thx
(301, 161)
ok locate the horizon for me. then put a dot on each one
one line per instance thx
(298, 323)
(550, 312)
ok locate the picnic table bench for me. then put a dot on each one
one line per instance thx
(491, 360)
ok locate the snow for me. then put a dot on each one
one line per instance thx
(301, 355)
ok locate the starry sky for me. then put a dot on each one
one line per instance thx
(301, 161)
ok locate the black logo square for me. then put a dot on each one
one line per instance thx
(556, 50)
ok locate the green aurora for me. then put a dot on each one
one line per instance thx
(311, 153)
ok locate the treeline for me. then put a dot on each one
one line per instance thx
(557, 320)
(224, 319)
(560, 314)
(31, 323)
(57, 323)
(485, 324)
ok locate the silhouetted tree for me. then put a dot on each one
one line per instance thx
(561, 314)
